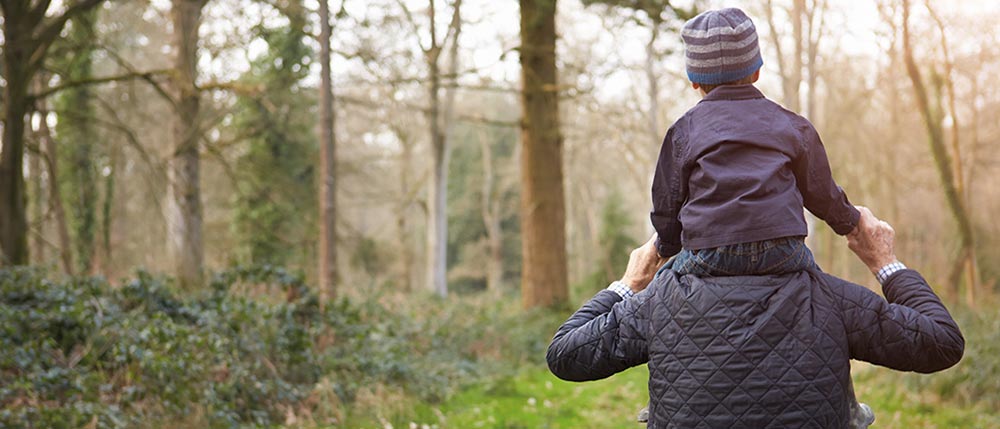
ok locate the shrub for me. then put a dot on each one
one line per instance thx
(251, 350)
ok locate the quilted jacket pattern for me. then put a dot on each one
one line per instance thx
(767, 351)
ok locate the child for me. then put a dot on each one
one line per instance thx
(735, 171)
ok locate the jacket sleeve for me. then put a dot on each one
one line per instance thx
(909, 330)
(669, 190)
(602, 338)
(820, 194)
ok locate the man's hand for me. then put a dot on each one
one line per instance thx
(642, 265)
(872, 241)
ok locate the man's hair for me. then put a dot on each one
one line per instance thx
(745, 81)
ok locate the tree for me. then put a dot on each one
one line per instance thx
(328, 158)
(274, 203)
(28, 34)
(184, 212)
(78, 148)
(543, 212)
(933, 116)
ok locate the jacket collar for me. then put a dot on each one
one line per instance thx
(734, 92)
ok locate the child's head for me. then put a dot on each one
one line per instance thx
(721, 49)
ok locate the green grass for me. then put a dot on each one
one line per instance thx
(533, 399)
(536, 399)
(900, 401)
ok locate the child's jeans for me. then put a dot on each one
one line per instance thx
(779, 256)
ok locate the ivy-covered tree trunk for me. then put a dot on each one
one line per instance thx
(543, 213)
(274, 209)
(78, 146)
(184, 214)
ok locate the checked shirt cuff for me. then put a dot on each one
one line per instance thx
(886, 271)
(621, 289)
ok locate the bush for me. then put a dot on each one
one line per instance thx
(254, 350)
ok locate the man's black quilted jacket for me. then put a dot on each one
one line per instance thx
(769, 351)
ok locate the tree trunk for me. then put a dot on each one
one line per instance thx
(491, 219)
(327, 188)
(795, 81)
(37, 194)
(967, 262)
(407, 195)
(933, 122)
(184, 213)
(439, 117)
(653, 115)
(78, 142)
(13, 220)
(543, 214)
(55, 196)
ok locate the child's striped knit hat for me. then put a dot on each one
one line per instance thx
(721, 46)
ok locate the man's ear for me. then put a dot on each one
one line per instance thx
(756, 75)
(695, 85)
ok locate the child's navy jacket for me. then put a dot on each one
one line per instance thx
(738, 168)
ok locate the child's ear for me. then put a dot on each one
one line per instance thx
(756, 75)
(695, 85)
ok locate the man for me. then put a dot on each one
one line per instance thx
(758, 351)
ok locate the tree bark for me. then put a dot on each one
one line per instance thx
(328, 158)
(37, 193)
(543, 214)
(13, 219)
(942, 159)
(490, 206)
(184, 212)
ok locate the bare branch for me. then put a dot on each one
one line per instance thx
(96, 81)
(776, 41)
(36, 14)
(236, 87)
(149, 79)
(413, 24)
(50, 31)
(488, 121)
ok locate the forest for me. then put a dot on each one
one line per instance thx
(375, 214)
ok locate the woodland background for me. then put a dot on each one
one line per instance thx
(226, 213)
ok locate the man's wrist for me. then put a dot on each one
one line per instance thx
(622, 289)
(883, 273)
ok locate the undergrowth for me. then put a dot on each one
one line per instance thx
(253, 350)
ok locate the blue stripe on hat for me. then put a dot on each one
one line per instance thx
(724, 77)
